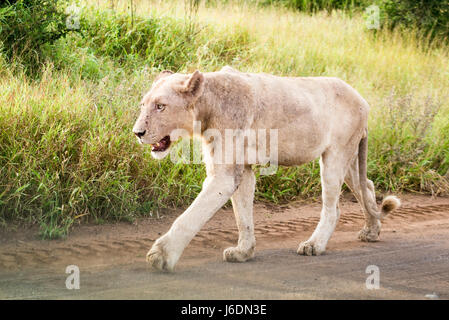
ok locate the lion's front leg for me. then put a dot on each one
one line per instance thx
(167, 249)
(242, 202)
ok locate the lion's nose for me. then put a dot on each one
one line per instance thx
(140, 134)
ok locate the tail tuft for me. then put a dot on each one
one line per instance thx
(390, 204)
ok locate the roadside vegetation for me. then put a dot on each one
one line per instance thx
(68, 100)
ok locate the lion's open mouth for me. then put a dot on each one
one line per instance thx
(162, 145)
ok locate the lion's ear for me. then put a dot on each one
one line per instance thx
(194, 85)
(163, 74)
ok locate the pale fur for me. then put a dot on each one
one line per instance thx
(316, 117)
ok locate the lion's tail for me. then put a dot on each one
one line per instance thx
(389, 203)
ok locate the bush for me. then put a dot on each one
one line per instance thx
(429, 16)
(317, 5)
(27, 26)
(162, 43)
(109, 40)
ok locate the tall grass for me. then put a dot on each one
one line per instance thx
(67, 154)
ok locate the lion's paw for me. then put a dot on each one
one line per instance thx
(157, 258)
(369, 235)
(308, 248)
(236, 254)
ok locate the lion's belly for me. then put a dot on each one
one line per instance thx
(297, 140)
(299, 146)
(291, 153)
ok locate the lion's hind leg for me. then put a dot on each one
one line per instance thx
(333, 166)
(371, 230)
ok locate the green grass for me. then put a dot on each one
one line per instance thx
(67, 153)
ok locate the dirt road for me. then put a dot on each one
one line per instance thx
(412, 257)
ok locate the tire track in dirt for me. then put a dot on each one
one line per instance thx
(133, 246)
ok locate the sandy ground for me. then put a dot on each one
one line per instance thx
(412, 257)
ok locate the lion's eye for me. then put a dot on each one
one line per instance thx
(160, 107)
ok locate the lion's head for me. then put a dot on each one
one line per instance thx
(167, 107)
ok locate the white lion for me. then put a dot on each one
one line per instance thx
(315, 117)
